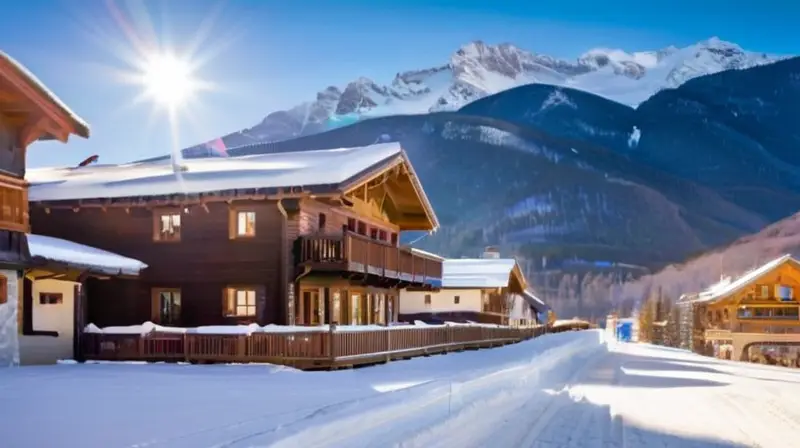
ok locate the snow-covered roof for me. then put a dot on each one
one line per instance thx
(727, 286)
(78, 255)
(329, 167)
(426, 254)
(81, 127)
(477, 272)
(534, 301)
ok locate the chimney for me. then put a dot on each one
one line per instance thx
(491, 252)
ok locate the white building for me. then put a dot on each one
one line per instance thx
(52, 301)
(488, 290)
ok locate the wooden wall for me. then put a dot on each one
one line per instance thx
(201, 264)
(336, 218)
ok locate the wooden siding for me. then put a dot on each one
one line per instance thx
(13, 198)
(202, 264)
(336, 218)
(12, 156)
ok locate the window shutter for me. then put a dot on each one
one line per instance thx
(228, 305)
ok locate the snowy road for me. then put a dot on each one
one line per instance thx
(566, 390)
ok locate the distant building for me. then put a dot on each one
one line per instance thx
(486, 290)
(755, 316)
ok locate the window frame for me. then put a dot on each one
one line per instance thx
(58, 296)
(157, 220)
(456, 300)
(230, 302)
(155, 304)
(428, 300)
(233, 223)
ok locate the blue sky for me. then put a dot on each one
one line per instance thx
(264, 55)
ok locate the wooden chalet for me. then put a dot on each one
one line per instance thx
(484, 290)
(755, 317)
(302, 238)
(40, 278)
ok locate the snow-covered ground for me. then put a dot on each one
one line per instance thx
(562, 390)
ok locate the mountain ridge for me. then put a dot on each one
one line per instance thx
(477, 70)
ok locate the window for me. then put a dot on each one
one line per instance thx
(427, 299)
(3, 289)
(373, 233)
(322, 220)
(784, 292)
(245, 223)
(351, 224)
(240, 302)
(394, 239)
(166, 306)
(763, 292)
(167, 226)
(50, 298)
(382, 235)
(362, 228)
(457, 300)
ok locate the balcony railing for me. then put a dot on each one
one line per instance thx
(355, 253)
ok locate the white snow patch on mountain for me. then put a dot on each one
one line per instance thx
(478, 69)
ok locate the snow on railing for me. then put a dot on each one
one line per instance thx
(297, 346)
(150, 327)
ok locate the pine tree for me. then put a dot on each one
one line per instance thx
(646, 319)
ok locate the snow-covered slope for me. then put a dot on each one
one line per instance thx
(478, 69)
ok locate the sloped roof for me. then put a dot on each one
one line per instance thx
(727, 287)
(535, 302)
(428, 255)
(80, 127)
(477, 272)
(80, 256)
(306, 168)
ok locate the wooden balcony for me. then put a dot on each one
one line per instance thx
(350, 252)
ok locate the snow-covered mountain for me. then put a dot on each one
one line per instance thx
(477, 69)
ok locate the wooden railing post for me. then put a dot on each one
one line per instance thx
(332, 343)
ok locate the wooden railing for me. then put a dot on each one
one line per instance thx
(356, 253)
(302, 349)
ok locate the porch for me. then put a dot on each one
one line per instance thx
(349, 252)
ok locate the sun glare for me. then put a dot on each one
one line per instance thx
(168, 80)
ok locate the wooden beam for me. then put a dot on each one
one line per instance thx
(31, 131)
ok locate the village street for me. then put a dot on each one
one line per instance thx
(564, 390)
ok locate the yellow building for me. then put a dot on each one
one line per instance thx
(755, 317)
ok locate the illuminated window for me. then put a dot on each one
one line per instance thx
(167, 226)
(246, 224)
(240, 302)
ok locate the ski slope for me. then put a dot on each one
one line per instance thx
(563, 390)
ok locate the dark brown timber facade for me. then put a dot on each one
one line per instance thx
(282, 255)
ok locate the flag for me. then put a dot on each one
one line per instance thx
(217, 146)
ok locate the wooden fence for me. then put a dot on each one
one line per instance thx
(302, 349)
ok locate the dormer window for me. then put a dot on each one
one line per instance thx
(167, 226)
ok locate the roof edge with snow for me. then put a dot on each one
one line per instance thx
(82, 257)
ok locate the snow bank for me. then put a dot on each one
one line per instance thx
(150, 327)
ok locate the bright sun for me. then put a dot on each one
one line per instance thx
(168, 80)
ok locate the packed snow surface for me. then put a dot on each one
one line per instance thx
(562, 390)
